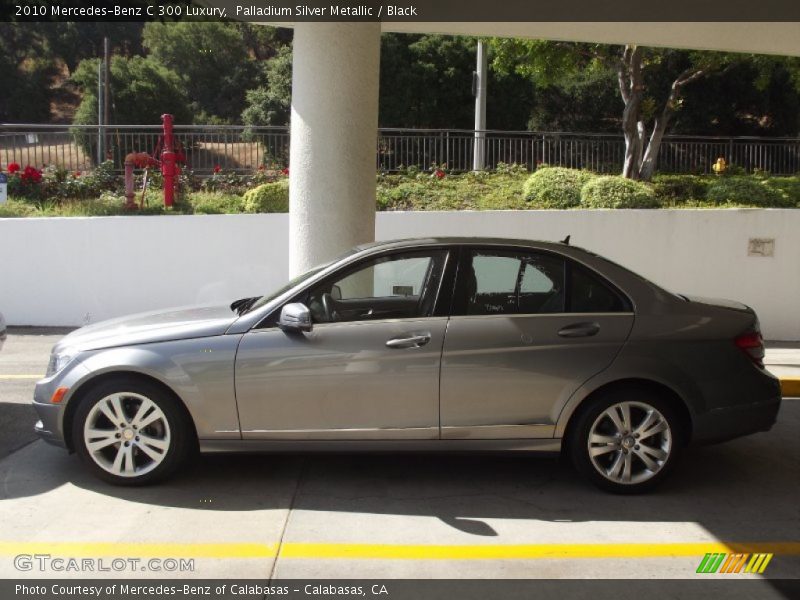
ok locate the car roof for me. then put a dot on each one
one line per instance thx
(460, 240)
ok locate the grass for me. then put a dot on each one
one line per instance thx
(398, 192)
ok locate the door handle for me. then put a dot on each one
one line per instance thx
(412, 341)
(577, 330)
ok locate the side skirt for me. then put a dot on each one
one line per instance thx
(550, 445)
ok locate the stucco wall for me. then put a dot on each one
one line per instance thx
(66, 271)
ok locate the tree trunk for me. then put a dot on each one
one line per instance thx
(631, 86)
(653, 146)
(648, 163)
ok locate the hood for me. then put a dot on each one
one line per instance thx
(719, 302)
(159, 326)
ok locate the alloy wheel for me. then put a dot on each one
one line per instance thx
(127, 434)
(630, 442)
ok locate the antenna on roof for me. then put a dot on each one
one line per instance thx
(566, 240)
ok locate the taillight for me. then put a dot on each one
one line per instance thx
(752, 344)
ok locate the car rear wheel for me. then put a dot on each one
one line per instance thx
(131, 432)
(626, 441)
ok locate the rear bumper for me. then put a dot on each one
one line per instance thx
(730, 422)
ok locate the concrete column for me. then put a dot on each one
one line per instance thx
(334, 131)
(481, 73)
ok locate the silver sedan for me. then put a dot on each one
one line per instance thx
(444, 344)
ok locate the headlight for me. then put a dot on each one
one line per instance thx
(59, 360)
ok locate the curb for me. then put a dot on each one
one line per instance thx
(790, 387)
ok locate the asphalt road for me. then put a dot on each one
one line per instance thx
(331, 516)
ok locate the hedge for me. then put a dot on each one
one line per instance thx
(556, 187)
(268, 198)
(614, 191)
(744, 190)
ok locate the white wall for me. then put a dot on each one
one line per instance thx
(56, 271)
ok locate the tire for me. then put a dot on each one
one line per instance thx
(130, 432)
(609, 448)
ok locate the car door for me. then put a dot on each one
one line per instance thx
(528, 328)
(368, 369)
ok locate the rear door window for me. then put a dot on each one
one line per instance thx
(502, 282)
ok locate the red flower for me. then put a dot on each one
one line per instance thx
(217, 168)
(261, 167)
(439, 174)
(31, 175)
(285, 171)
(76, 174)
(13, 167)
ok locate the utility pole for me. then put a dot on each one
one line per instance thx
(479, 91)
(99, 113)
(106, 88)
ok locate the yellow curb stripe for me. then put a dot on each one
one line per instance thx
(524, 551)
(101, 549)
(299, 550)
(790, 386)
(33, 377)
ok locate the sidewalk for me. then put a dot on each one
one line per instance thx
(783, 360)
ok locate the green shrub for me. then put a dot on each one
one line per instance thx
(556, 187)
(680, 188)
(743, 190)
(787, 187)
(212, 203)
(268, 198)
(614, 191)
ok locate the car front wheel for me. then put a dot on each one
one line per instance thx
(130, 432)
(627, 441)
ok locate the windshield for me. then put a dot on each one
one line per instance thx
(263, 300)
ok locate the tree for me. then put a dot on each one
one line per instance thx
(426, 81)
(212, 61)
(269, 104)
(650, 82)
(641, 151)
(141, 91)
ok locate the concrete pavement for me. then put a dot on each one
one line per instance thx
(384, 516)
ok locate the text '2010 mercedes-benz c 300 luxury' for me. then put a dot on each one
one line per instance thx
(443, 344)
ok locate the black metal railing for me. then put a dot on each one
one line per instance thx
(243, 149)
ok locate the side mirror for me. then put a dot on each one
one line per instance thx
(336, 292)
(295, 317)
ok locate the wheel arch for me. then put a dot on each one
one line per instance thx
(663, 390)
(88, 385)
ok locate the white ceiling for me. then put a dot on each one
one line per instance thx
(759, 38)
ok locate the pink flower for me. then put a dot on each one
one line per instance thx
(285, 171)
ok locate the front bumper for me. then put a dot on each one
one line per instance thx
(50, 426)
(730, 422)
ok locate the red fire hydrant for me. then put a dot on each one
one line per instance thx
(169, 165)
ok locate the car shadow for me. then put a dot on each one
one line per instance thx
(16, 426)
(744, 491)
